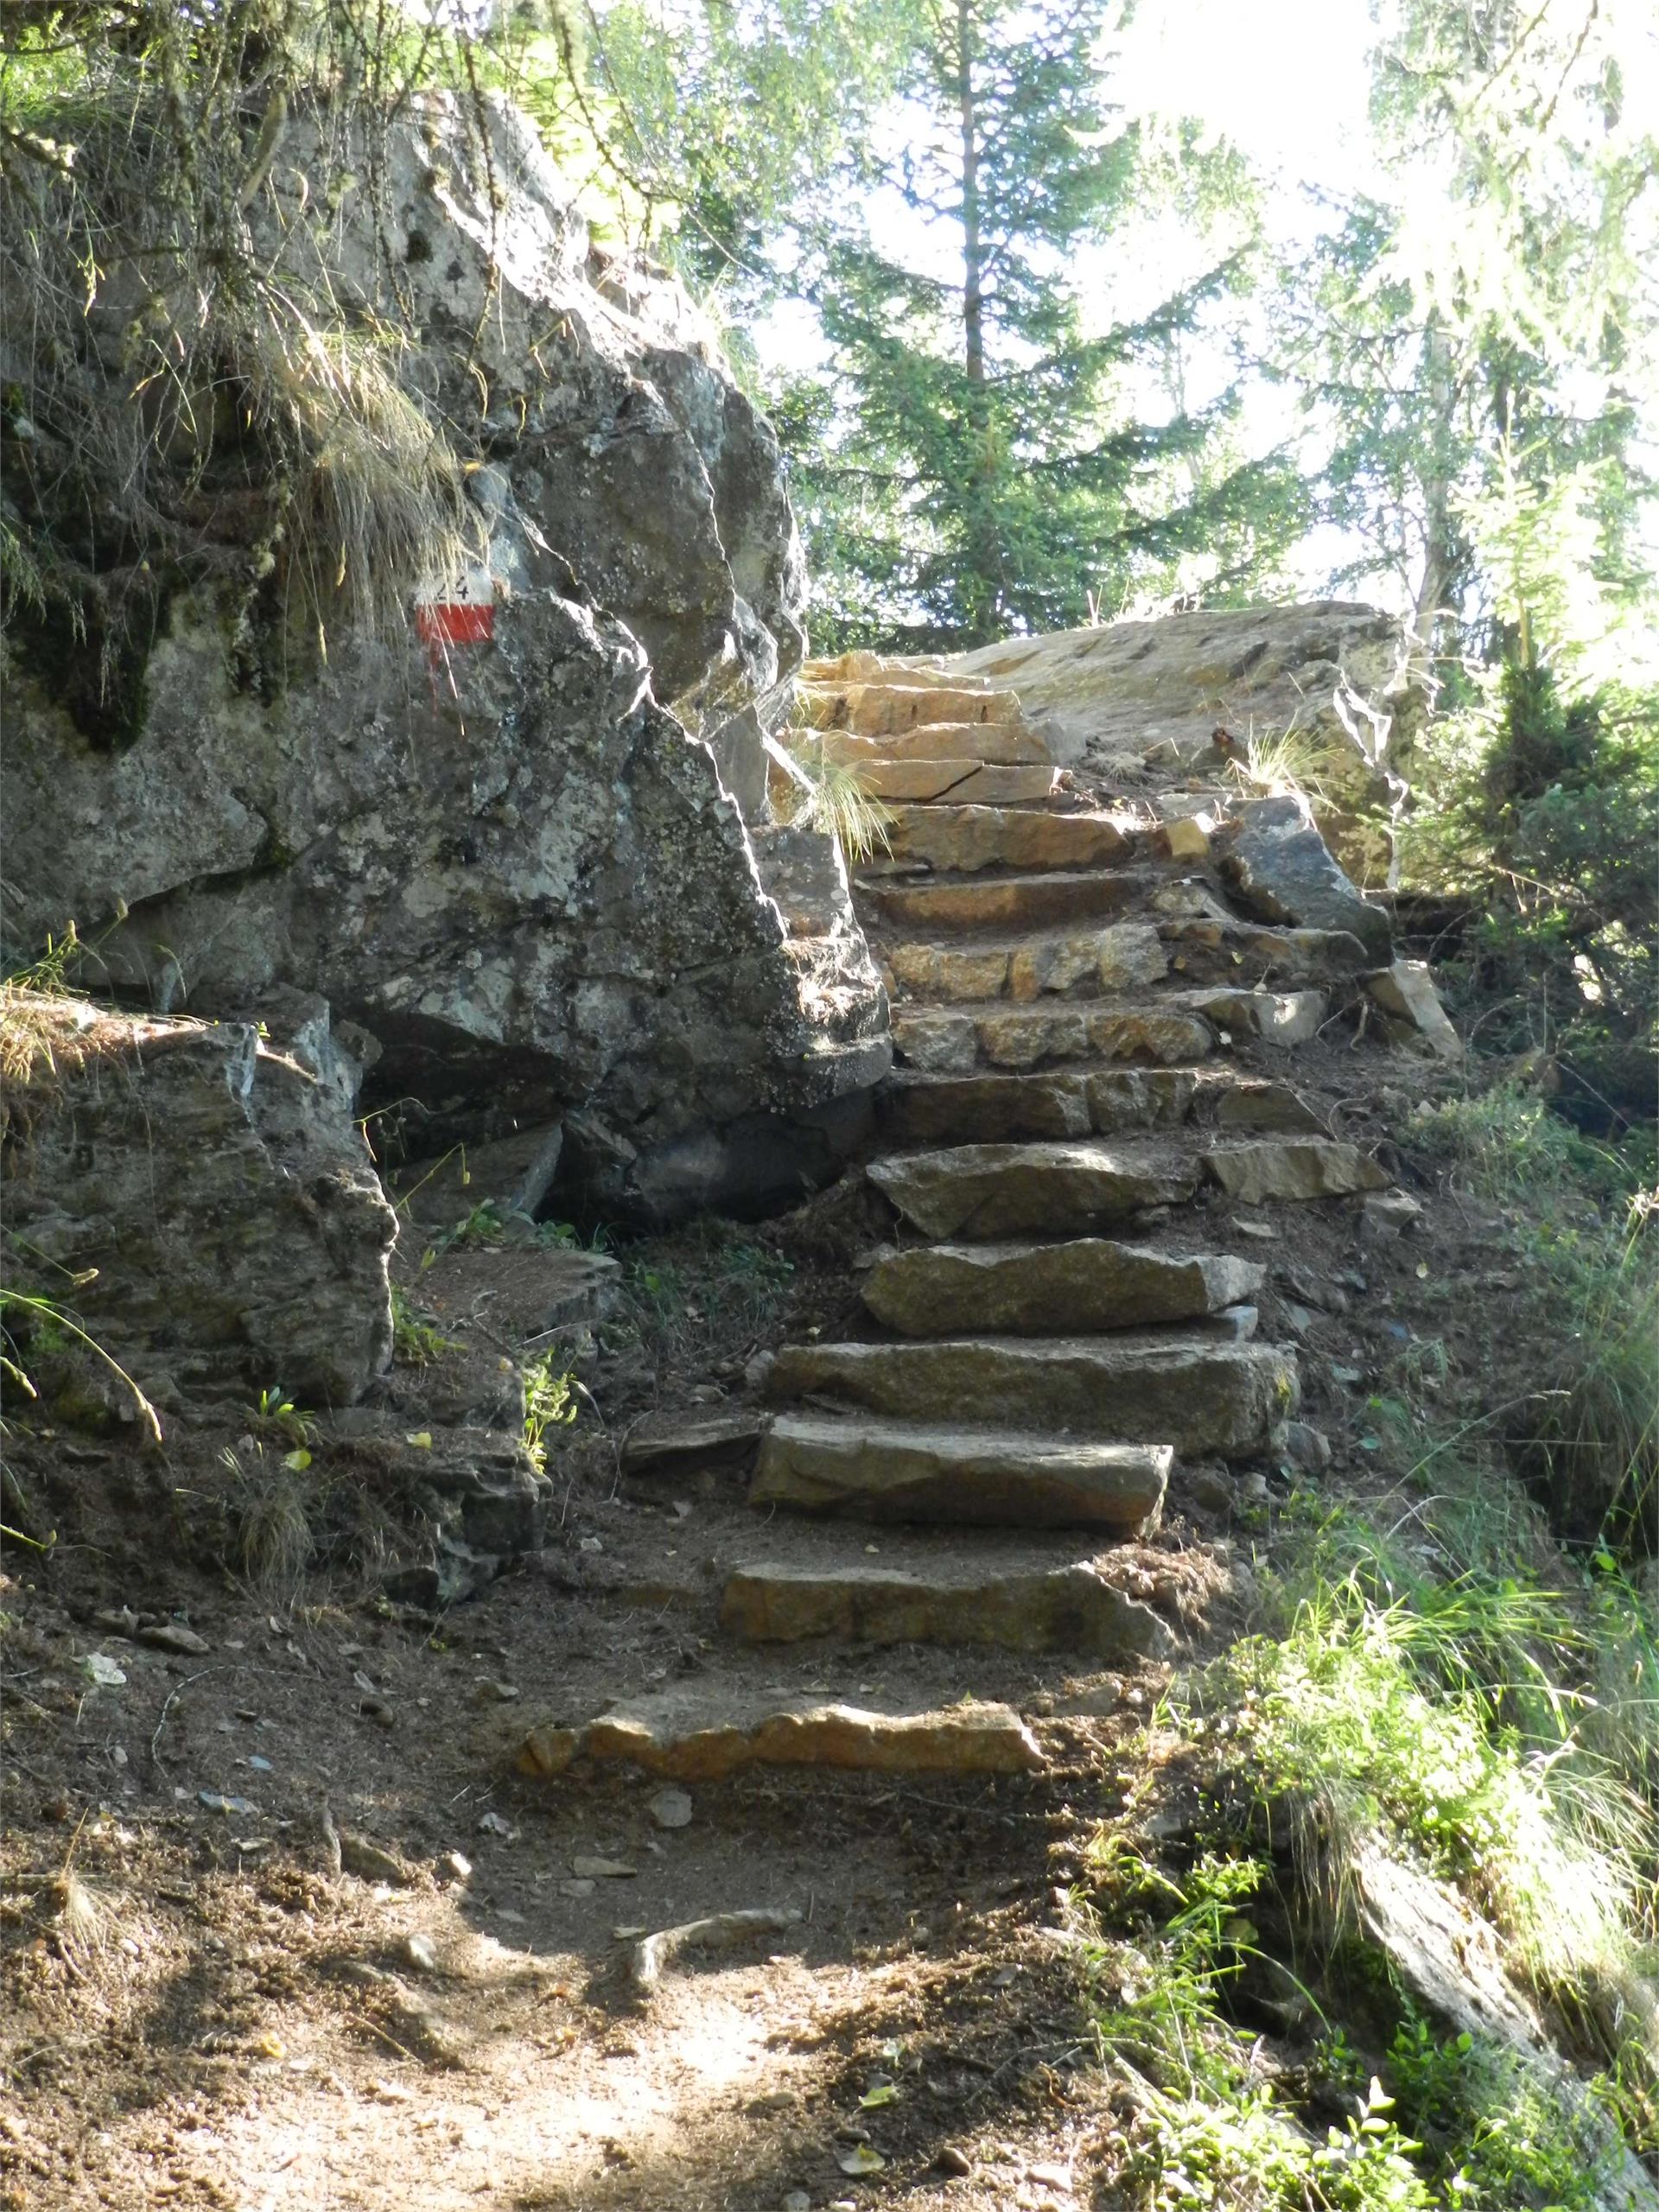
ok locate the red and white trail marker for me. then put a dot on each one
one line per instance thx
(458, 612)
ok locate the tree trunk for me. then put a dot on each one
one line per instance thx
(982, 592)
(973, 250)
(1439, 550)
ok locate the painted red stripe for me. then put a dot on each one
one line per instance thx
(455, 624)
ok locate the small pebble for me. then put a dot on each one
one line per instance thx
(950, 2160)
(421, 1953)
(671, 1809)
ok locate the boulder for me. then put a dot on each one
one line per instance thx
(1280, 868)
(518, 861)
(203, 1207)
(1335, 676)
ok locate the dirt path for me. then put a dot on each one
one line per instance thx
(1030, 1409)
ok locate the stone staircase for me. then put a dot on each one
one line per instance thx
(1061, 1315)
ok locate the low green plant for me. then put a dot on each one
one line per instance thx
(550, 1402)
(416, 1340)
(274, 1412)
(1210, 2128)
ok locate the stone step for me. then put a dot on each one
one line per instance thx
(914, 785)
(898, 671)
(1122, 956)
(1194, 1387)
(883, 709)
(1293, 1168)
(1086, 1284)
(965, 839)
(954, 1040)
(974, 1602)
(1006, 745)
(1001, 902)
(702, 1736)
(896, 1470)
(987, 1191)
(919, 1109)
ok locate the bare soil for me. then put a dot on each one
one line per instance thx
(196, 2010)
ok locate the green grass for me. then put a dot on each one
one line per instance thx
(1583, 1229)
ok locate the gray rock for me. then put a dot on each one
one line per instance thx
(1335, 673)
(1306, 1447)
(1409, 1007)
(1310, 1167)
(511, 867)
(1280, 868)
(219, 1200)
(678, 1443)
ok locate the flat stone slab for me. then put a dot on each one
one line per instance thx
(1311, 1167)
(990, 744)
(1000, 902)
(700, 1739)
(1011, 1190)
(1068, 1289)
(969, 837)
(1190, 1386)
(961, 783)
(1071, 1608)
(953, 1042)
(678, 1443)
(896, 1470)
(994, 1109)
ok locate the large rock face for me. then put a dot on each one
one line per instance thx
(1101, 697)
(1134, 697)
(507, 861)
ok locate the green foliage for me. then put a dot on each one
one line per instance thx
(1585, 1424)
(550, 1402)
(985, 469)
(1473, 343)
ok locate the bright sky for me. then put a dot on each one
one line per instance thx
(1285, 80)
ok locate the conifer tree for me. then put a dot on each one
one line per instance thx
(986, 473)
